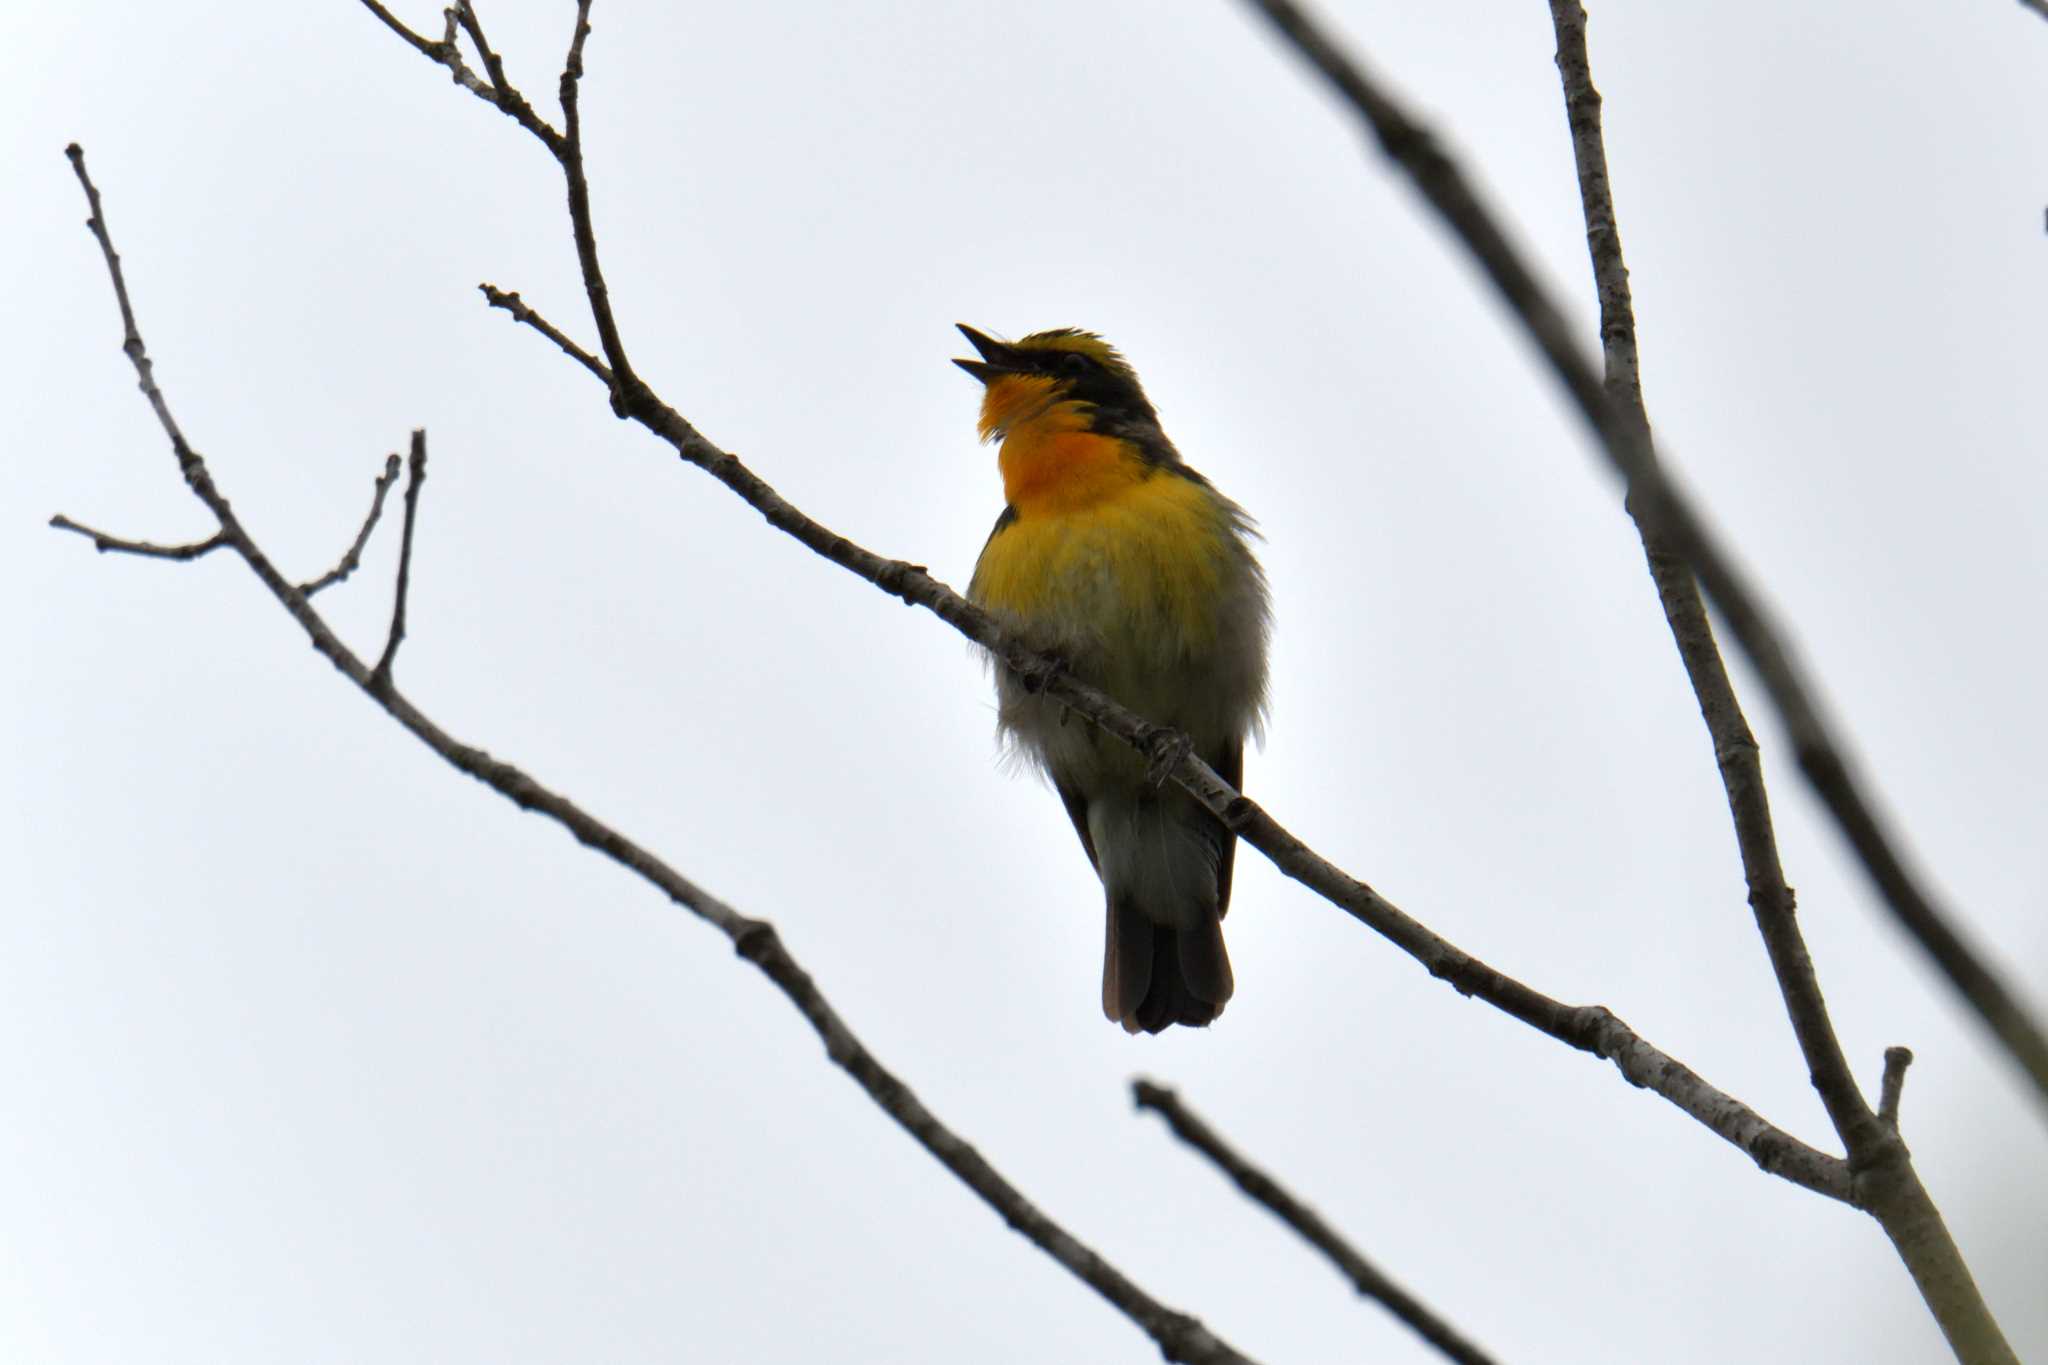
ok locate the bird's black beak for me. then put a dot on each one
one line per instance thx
(996, 358)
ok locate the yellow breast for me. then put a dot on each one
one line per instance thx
(1128, 556)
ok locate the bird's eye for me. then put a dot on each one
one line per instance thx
(1073, 362)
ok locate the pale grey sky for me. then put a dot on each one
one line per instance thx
(317, 1051)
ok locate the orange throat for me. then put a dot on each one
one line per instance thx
(1051, 462)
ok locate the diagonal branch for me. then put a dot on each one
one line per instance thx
(1735, 747)
(131, 337)
(516, 306)
(1179, 1336)
(1588, 1028)
(1872, 1139)
(496, 92)
(352, 558)
(1657, 502)
(494, 66)
(1365, 1277)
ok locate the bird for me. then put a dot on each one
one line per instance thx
(1130, 570)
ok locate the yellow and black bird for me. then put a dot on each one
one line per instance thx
(1133, 571)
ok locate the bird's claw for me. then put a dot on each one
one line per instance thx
(1164, 750)
(1038, 675)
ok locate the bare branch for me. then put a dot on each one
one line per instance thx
(1656, 500)
(352, 558)
(431, 51)
(1896, 1060)
(496, 92)
(2039, 7)
(1735, 748)
(416, 474)
(105, 543)
(516, 306)
(1871, 1139)
(1589, 1028)
(567, 149)
(131, 336)
(1179, 1336)
(570, 155)
(1367, 1278)
(466, 15)
(572, 65)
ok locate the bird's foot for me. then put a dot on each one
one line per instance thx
(1164, 749)
(1039, 673)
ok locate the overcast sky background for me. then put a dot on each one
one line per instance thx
(315, 1050)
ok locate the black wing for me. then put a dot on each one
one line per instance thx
(1004, 520)
(1077, 811)
(1231, 770)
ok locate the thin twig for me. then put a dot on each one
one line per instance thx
(1875, 1152)
(1654, 498)
(416, 474)
(131, 335)
(1179, 1336)
(1734, 746)
(582, 225)
(1367, 1278)
(430, 50)
(517, 307)
(494, 66)
(1896, 1060)
(496, 92)
(105, 543)
(1589, 1028)
(353, 557)
(572, 65)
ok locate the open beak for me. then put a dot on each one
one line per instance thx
(996, 358)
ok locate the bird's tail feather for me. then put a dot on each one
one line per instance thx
(1156, 975)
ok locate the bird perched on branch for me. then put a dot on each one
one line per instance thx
(1138, 576)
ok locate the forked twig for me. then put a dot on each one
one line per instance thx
(1589, 1028)
(1657, 501)
(1888, 1186)
(1180, 1337)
